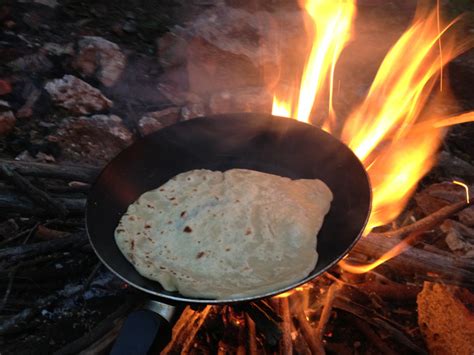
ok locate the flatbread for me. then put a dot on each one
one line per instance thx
(212, 234)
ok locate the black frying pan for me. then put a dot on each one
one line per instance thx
(260, 142)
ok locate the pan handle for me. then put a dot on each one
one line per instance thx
(146, 330)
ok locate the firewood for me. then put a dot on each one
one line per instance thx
(98, 331)
(83, 173)
(427, 222)
(42, 248)
(449, 268)
(372, 317)
(35, 194)
(12, 202)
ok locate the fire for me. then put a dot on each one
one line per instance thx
(465, 188)
(393, 132)
(332, 22)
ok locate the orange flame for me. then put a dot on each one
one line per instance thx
(390, 131)
(332, 23)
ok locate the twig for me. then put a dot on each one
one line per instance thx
(30, 250)
(265, 320)
(83, 173)
(14, 202)
(89, 279)
(326, 313)
(36, 195)
(373, 337)
(373, 318)
(427, 222)
(252, 335)
(286, 343)
(11, 278)
(306, 328)
(19, 321)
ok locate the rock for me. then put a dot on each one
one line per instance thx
(100, 58)
(250, 99)
(459, 238)
(466, 216)
(193, 110)
(77, 96)
(94, 140)
(153, 121)
(57, 49)
(226, 48)
(5, 87)
(445, 320)
(7, 122)
(130, 26)
(33, 63)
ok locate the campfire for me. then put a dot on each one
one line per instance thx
(407, 284)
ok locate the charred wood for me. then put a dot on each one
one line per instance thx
(81, 173)
(13, 202)
(450, 268)
(21, 252)
(35, 194)
(99, 331)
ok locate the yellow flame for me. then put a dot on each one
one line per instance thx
(465, 188)
(332, 22)
(390, 131)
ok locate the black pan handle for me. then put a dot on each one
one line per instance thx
(145, 331)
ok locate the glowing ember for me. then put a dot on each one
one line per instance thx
(390, 131)
(465, 187)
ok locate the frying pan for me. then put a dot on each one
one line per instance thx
(259, 142)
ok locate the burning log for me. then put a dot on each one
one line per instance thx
(449, 268)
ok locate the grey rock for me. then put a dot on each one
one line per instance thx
(193, 110)
(94, 140)
(33, 63)
(77, 96)
(226, 48)
(153, 121)
(100, 58)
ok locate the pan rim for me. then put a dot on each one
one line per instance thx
(169, 296)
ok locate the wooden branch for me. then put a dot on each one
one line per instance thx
(373, 337)
(31, 250)
(371, 317)
(450, 268)
(36, 195)
(84, 173)
(19, 321)
(326, 313)
(286, 347)
(265, 321)
(427, 222)
(13, 202)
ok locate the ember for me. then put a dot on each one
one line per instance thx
(383, 91)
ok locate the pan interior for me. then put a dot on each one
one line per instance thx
(259, 142)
